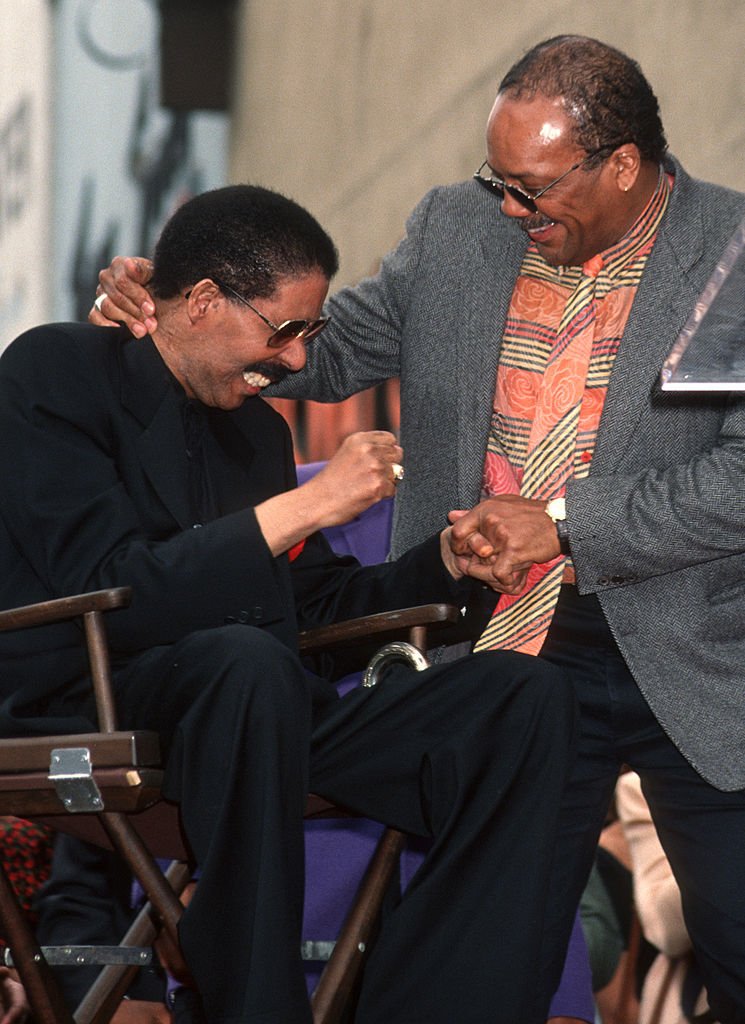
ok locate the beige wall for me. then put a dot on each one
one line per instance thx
(356, 107)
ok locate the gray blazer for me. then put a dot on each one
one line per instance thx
(658, 528)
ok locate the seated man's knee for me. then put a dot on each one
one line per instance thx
(249, 664)
(523, 669)
(527, 679)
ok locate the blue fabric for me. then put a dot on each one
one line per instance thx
(367, 536)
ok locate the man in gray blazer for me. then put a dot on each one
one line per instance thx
(653, 521)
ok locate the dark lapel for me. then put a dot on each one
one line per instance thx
(147, 392)
(257, 437)
(234, 482)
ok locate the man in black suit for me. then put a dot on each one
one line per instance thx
(140, 462)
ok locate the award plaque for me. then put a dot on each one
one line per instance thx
(709, 353)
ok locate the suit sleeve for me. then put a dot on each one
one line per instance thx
(329, 588)
(628, 527)
(361, 346)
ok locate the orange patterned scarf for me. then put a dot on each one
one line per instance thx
(563, 331)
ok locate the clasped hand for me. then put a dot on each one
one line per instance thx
(499, 539)
(360, 473)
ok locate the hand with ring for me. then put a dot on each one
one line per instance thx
(122, 297)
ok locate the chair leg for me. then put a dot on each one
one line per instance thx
(129, 845)
(344, 967)
(42, 990)
(106, 992)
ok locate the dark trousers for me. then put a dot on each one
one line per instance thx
(474, 753)
(700, 827)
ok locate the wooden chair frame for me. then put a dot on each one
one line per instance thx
(105, 787)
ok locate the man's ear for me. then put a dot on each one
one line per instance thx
(626, 164)
(200, 298)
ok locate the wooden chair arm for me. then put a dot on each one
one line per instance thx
(65, 608)
(396, 623)
(90, 608)
(311, 640)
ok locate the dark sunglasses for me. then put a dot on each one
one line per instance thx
(287, 330)
(527, 199)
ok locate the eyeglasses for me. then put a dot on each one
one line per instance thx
(287, 330)
(527, 199)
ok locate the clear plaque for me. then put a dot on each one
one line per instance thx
(709, 353)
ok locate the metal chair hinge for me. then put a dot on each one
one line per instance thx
(71, 771)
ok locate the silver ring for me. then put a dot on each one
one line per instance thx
(99, 301)
(398, 471)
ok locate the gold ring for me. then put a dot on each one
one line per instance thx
(398, 471)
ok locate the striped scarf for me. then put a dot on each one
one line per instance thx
(563, 330)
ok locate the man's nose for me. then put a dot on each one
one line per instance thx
(512, 207)
(294, 356)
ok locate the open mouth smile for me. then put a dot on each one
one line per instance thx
(256, 380)
(536, 229)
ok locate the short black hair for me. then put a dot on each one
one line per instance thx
(245, 236)
(604, 92)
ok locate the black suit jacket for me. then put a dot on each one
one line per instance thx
(95, 494)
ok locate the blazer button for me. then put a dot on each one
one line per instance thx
(258, 613)
(230, 620)
(243, 617)
(618, 579)
(603, 581)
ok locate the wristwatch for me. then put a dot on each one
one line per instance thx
(556, 510)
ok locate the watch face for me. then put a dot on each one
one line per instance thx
(557, 509)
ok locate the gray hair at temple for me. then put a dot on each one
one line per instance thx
(604, 93)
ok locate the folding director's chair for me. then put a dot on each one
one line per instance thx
(105, 787)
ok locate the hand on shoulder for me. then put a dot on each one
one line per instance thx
(123, 298)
